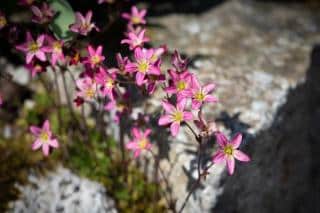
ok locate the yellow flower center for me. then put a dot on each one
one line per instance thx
(135, 20)
(95, 59)
(90, 92)
(199, 96)
(143, 66)
(44, 137)
(177, 116)
(181, 85)
(143, 143)
(33, 47)
(3, 21)
(109, 83)
(228, 150)
(57, 47)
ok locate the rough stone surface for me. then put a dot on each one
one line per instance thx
(62, 191)
(256, 53)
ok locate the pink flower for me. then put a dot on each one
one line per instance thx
(200, 94)
(174, 116)
(140, 141)
(135, 40)
(95, 56)
(34, 68)
(181, 82)
(3, 20)
(143, 65)
(33, 48)
(179, 63)
(87, 88)
(121, 62)
(136, 16)
(55, 48)
(107, 81)
(44, 138)
(42, 15)
(206, 129)
(229, 151)
(158, 52)
(83, 24)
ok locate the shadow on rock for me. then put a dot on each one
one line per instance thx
(284, 175)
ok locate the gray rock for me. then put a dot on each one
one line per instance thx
(62, 191)
(257, 53)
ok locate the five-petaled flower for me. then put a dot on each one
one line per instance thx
(181, 81)
(83, 25)
(175, 115)
(33, 48)
(199, 94)
(95, 57)
(228, 151)
(87, 88)
(143, 65)
(55, 48)
(136, 16)
(140, 141)
(44, 138)
(107, 81)
(42, 15)
(135, 39)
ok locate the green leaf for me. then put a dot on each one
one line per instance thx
(64, 18)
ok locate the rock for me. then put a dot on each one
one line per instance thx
(62, 191)
(258, 57)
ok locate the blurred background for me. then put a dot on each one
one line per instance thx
(263, 55)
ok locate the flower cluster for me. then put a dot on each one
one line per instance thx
(112, 89)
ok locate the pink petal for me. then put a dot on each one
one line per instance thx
(46, 126)
(187, 116)
(99, 50)
(236, 141)
(29, 57)
(137, 153)
(136, 132)
(230, 165)
(40, 40)
(211, 99)
(89, 16)
(164, 120)
(36, 145)
(91, 50)
(170, 90)
(45, 149)
(147, 132)
(140, 78)
(195, 83)
(218, 157)
(241, 156)
(41, 56)
(132, 145)
(154, 70)
(54, 143)
(174, 128)
(195, 104)
(181, 104)
(221, 139)
(208, 88)
(35, 130)
(168, 107)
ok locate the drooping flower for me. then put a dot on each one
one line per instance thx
(121, 62)
(206, 128)
(44, 138)
(107, 81)
(42, 15)
(3, 20)
(87, 88)
(140, 141)
(35, 68)
(33, 48)
(143, 65)
(175, 116)
(200, 94)
(95, 57)
(83, 25)
(55, 48)
(136, 16)
(179, 63)
(180, 82)
(228, 151)
(135, 39)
